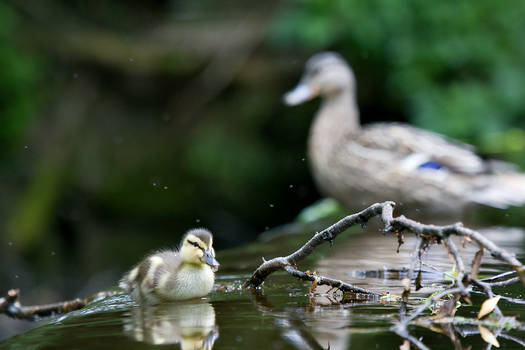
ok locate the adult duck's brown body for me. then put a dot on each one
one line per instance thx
(392, 161)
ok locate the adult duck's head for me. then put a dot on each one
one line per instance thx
(326, 74)
(197, 248)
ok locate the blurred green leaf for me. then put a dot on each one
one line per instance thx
(19, 74)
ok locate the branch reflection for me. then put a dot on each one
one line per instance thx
(293, 328)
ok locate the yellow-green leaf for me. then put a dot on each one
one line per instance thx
(488, 306)
(487, 336)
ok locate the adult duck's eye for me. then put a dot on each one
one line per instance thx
(195, 244)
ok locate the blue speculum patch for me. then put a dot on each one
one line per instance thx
(430, 165)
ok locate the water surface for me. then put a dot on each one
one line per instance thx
(283, 315)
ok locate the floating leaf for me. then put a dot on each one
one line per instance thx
(405, 345)
(488, 306)
(418, 281)
(487, 335)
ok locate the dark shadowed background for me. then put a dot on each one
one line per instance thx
(125, 123)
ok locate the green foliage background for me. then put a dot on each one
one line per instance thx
(19, 78)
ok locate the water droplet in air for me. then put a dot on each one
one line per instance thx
(26, 147)
(303, 159)
(266, 228)
(16, 276)
(53, 253)
(165, 187)
(198, 220)
(291, 186)
(271, 205)
(154, 184)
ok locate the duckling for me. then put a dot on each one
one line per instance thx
(170, 275)
(392, 161)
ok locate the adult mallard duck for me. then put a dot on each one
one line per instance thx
(359, 165)
(175, 275)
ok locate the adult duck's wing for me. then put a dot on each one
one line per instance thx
(422, 148)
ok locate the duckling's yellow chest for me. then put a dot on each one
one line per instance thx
(190, 281)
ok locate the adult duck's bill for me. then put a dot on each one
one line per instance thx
(301, 93)
(210, 259)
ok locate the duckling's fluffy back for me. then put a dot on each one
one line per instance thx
(163, 276)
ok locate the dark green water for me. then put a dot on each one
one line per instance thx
(282, 315)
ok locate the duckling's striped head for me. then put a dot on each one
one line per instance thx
(197, 248)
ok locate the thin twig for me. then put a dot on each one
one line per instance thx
(498, 276)
(416, 257)
(451, 247)
(504, 283)
(514, 339)
(11, 306)
(430, 301)
(320, 280)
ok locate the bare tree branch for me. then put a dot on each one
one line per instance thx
(395, 225)
(504, 283)
(328, 234)
(11, 306)
(426, 234)
(320, 280)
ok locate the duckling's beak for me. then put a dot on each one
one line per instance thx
(210, 260)
(301, 93)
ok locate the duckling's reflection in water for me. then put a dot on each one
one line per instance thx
(190, 324)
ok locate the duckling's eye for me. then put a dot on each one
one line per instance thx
(195, 244)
